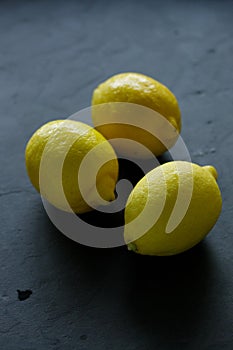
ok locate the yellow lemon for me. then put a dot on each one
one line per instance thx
(186, 189)
(157, 131)
(54, 156)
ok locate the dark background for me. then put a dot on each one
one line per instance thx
(52, 55)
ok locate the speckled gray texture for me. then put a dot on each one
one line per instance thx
(52, 54)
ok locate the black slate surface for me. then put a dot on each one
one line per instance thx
(52, 55)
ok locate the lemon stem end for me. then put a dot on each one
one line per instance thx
(132, 246)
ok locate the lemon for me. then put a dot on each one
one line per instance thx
(54, 155)
(150, 207)
(139, 89)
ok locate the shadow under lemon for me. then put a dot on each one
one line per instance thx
(170, 297)
(130, 170)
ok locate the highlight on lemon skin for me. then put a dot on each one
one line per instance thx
(201, 215)
(212, 170)
(138, 89)
(53, 157)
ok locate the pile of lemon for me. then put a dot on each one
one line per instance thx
(62, 145)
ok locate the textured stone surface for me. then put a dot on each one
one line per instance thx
(52, 54)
